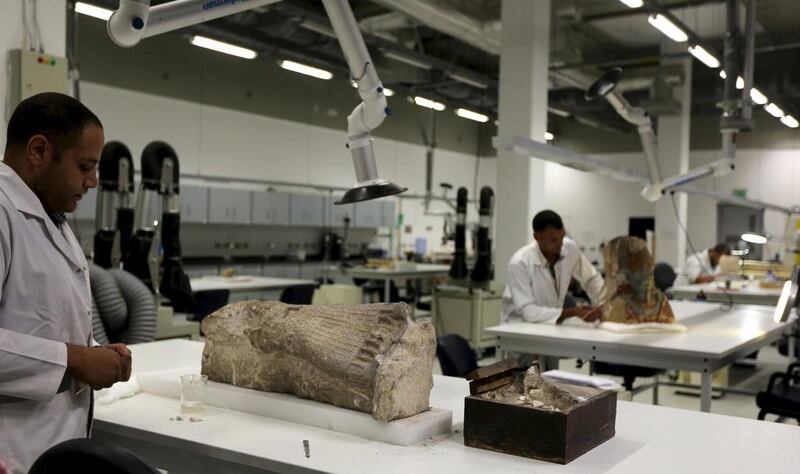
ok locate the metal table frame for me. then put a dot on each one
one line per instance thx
(423, 270)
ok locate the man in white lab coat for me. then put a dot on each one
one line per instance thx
(702, 266)
(539, 275)
(48, 361)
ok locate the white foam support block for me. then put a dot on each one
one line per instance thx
(281, 406)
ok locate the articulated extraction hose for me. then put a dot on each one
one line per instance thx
(458, 269)
(116, 185)
(484, 267)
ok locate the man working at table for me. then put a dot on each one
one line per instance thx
(702, 266)
(539, 275)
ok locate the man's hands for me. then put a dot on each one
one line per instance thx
(99, 367)
(589, 314)
(704, 279)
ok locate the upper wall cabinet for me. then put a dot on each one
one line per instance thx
(336, 213)
(306, 210)
(229, 206)
(270, 208)
(194, 204)
(369, 213)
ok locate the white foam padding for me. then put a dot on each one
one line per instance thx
(285, 407)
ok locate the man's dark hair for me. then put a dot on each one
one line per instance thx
(722, 249)
(545, 219)
(58, 117)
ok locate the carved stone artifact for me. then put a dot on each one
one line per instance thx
(629, 291)
(532, 389)
(371, 358)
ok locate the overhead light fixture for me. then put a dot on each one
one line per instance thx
(469, 114)
(739, 83)
(431, 104)
(774, 110)
(408, 60)
(633, 3)
(559, 112)
(548, 136)
(754, 238)
(93, 11)
(722, 74)
(469, 80)
(221, 47)
(758, 97)
(789, 121)
(307, 70)
(704, 56)
(667, 27)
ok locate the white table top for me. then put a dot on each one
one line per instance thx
(649, 438)
(420, 270)
(244, 283)
(745, 291)
(711, 332)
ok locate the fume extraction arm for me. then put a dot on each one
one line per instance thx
(114, 218)
(136, 19)
(604, 87)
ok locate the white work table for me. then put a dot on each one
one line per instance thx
(649, 438)
(419, 270)
(715, 338)
(741, 292)
(244, 283)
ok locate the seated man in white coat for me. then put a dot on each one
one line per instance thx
(702, 266)
(539, 275)
(48, 362)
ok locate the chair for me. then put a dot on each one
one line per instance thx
(90, 455)
(782, 395)
(456, 357)
(298, 294)
(209, 301)
(664, 276)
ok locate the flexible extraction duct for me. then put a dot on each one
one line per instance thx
(458, 269)
(110, 304)
(98, 330)
(484, 267)
(142, 315)
(114, 212)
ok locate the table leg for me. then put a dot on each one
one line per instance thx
(387, 285)
(705, 394)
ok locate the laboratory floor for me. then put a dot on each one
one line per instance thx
(751, 378)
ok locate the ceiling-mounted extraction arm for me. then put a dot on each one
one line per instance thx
(136, 19)
(604, 87)
(114, 218)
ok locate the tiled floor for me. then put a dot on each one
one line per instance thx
(751, 378)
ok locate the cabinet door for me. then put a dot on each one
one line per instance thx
(306, 210)
(337, 213)
(229, 206)
(368, 214)
(271, 208)
(87, 206)
(194, 204)
(388, 218)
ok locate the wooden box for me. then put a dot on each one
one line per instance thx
(553, 436)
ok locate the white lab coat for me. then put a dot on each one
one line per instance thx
(45, 301)
(532, 295)
(696, 265)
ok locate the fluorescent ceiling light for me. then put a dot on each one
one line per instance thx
(722, 74)
(423, 102)
(667, 27)
(754, 238)
(758, 97)
(468, 114)
(388, 92)
(774, 110)
(739, 83)
(407, 60)
(549, 136)
(469, 81)
(221, 47)
(307, 70)
(559, 112)
(93, 11)
(789, 121)
(633, 3)
(704, 56)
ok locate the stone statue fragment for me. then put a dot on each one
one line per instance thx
(371, 358)
(629, 291)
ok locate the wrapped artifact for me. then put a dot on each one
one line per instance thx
(630, 295)
(371, 358)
